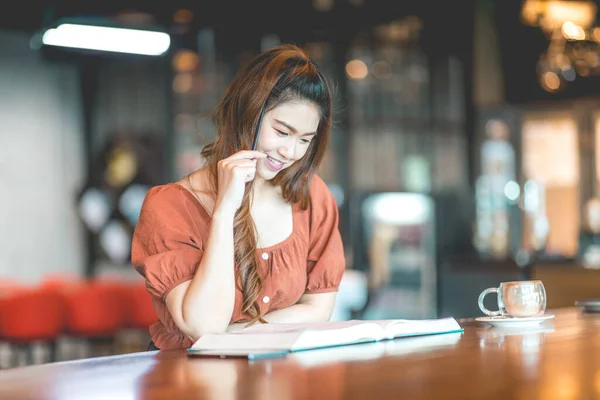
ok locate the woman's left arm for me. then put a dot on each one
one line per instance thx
(310, 308)
(316, 307)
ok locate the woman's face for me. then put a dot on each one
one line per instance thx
(284, 136)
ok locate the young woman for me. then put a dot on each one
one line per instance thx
(252, 237)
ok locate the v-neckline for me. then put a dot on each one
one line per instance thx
(284, 242)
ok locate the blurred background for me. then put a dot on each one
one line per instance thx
(465, 151)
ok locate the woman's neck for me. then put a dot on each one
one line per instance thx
(264, 190)
(259, 185)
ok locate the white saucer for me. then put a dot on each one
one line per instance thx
(515, 322)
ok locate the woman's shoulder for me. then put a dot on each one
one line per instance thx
(170, 207)
(319, 191)
(168, 194)
(322, 202)
(171, 200)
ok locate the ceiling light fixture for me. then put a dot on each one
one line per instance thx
(103, 38)
(574, 40)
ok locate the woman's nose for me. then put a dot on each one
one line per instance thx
(288, 150)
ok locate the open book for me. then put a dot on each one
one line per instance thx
(300, 336)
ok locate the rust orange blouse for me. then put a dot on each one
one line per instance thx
(168, 244)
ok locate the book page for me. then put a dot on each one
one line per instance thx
(230, 341)
(293, 336)
(403, 327)
(292, 327)
(319, 334)
(350, 334)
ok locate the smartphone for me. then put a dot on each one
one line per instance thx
(589, 305)
(244, 354)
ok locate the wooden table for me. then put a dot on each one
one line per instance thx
(559, 359)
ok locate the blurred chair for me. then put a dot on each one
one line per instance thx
(61, 283)
(351, 297)
(9, 286)
(60, 280)
(140, 315)
(95, 312)
(30, 316)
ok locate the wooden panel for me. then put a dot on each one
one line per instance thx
(566, 284)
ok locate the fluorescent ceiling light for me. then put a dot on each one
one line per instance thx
(102, 38)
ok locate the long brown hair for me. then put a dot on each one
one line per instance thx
(281, 74)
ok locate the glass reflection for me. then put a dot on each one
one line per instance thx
(372, 351)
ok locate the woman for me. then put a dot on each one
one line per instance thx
(253, 235)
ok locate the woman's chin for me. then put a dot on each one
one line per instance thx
(266, 175)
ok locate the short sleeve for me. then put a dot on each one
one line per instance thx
(326, 263)
(167, 246)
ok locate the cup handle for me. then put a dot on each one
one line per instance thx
(482, 307)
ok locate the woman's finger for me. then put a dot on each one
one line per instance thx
(247, 154)
(243, 163)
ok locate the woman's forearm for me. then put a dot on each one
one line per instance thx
(209, 300)
(298, 313)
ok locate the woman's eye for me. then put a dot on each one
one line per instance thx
(305, 141)
(280, 133)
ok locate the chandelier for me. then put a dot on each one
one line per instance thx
(574, 40)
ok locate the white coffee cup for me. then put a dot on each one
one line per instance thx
(517, 299)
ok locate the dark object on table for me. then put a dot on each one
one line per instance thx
(589, 305)
(247, 354)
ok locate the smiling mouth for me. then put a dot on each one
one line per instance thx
(275, 161)
(274, 164)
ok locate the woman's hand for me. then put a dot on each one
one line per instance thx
(233, 173)
(237, 326)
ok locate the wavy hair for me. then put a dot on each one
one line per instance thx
(282, 74)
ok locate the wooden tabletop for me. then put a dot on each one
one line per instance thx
(559, 359)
